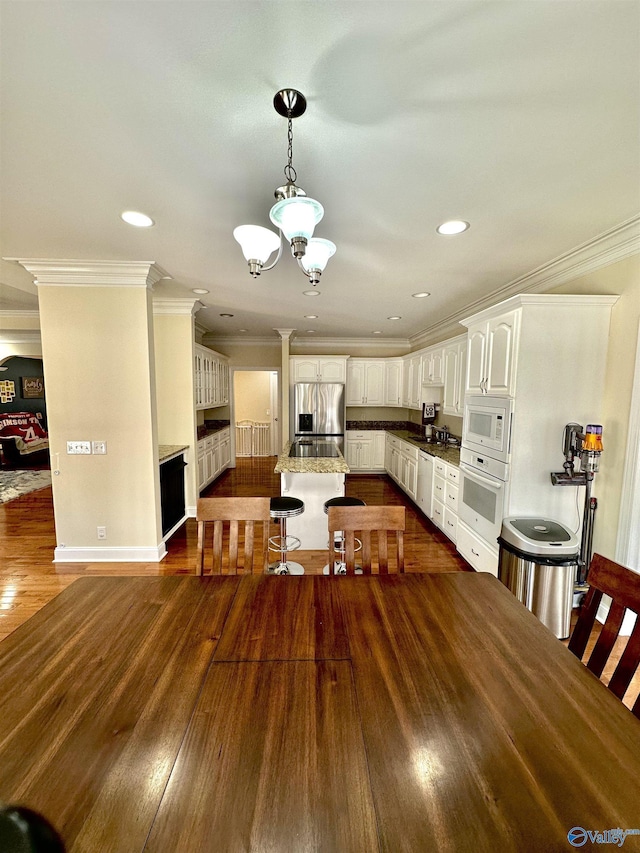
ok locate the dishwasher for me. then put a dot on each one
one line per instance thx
(425, 482)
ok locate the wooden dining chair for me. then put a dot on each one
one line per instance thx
(623, 585)
(379, 529)
(230, 525)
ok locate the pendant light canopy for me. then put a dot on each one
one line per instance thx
(294, 213)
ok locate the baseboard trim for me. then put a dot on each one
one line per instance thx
(109, 555)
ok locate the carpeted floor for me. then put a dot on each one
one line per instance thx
(14, 484)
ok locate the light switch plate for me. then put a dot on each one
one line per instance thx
(99, 447)
(78, 447)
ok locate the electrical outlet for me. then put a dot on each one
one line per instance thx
(78, 447)
(102, 532)
(99, 447)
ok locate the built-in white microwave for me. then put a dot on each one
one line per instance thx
(486, 427)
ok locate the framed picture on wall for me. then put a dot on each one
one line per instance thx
(32, 387)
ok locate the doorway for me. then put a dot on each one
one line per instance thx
(255, 412)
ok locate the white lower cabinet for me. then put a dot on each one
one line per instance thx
(401, 464)
(445, 497)
(364, 450)
(476, 551)
(214, 456)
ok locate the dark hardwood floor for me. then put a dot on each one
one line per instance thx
(29, 579)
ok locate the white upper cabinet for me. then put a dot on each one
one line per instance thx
(365, 382)
(211, 378)
(433, 367)
(411, 381)
(318, 369)
(393, 382)
(491, 357)
(455, 362)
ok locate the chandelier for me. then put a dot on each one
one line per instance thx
(294, 213)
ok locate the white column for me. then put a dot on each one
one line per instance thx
(285, 335)
(98, 357)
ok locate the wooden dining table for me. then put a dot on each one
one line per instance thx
(416, 712)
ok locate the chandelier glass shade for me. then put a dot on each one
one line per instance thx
(257, 243)
(294, 213)
(297, 217)
(316, 257)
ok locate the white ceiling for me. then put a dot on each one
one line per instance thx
(521, 117)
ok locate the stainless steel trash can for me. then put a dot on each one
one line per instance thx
(538, 562)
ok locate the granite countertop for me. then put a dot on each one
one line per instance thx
(317, 465)
(166, 451)
(447, 453)
(210, 428)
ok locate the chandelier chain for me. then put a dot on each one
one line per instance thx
(289, 172)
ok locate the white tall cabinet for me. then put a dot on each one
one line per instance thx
(548, 352)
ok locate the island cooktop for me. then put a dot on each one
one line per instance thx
(314, 448)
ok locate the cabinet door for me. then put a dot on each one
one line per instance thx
(305, 369)
(436, 370)
(378, 459)
(202, 473)
(407, 378)
(396, 464)
(451, 370)
(355, 395)
(439, 489)
(365, 454)
(393, 383)
(476, 359)
(415, 385)
(501, 346)
(374, 383)
(332, 370)
(388, 447)
(462, 375)
(351, 453)
(411, 477)
(198, 379)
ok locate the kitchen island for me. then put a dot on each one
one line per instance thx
(314, 481)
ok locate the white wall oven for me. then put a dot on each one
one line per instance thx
(487, 426)
(484, 484)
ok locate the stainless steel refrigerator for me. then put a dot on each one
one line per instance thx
(318, 411)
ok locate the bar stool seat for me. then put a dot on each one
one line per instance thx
(340, 568)
(282, 508)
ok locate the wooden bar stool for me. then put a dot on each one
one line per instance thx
(340, 567)
(282, 509)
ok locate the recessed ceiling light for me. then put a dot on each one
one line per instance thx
(311, 293)
(199, 290)
(310, 316)
(311, 331)
(226, 315)
(134, 217)
(420, 295)
(242, 330)
(453, 226)
(394, 317)
(377, 332)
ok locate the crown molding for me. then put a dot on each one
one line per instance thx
(241, 339)
(620, 242)
(73, 273)
(314, 344)
(20, 336)
(177, 305)
(24, 314)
